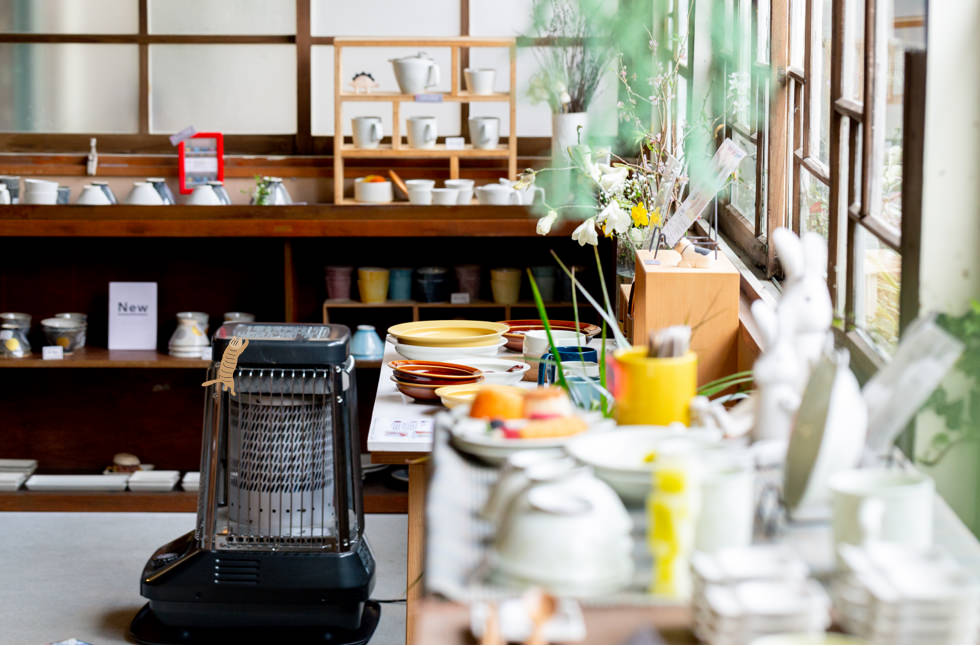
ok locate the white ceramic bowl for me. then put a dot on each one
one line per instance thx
(372, 192)
(497, 371)
(451, 355)
(428, 184)
(144, 194)
(419, 195)
(445, 196)
(465, 188)
(92, 196)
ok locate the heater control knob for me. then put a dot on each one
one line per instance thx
(166, 558)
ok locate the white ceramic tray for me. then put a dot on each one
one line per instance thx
(154, 480)
(191, 481)
(18, 466)
(116, 482)
(11, 480)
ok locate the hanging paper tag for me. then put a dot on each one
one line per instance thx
(178, 137)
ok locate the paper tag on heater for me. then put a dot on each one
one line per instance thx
(52, 352)
(459, 298)
(186, 133)
(455, 143)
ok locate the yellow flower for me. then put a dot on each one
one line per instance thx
(655, 218)
(640, 216)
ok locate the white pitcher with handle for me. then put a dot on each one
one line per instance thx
(415, 73)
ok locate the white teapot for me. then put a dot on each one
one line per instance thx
(415, 73)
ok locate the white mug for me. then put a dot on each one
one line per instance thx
(144, 194)
(465, 188)
(484, 132)
(445, 196)
(422, 132)
(4, 194)
(92, 196)
(366, 131)
(420, 195)
(427, 184)
(527, 193)
(203, 195)
(479, 81)
(497, 194)
(890, 505)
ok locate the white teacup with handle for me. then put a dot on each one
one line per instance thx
(422, 132)
(484, 132)
(366, 132)
(526, 194)
(498, 195)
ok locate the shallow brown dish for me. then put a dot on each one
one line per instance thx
(517, 328)
(431, 372)
(425, 392)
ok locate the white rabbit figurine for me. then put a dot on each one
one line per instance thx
(780, 374)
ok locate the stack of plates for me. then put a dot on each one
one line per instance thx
(191, 481)
(13, 473)
(162, 480)
(114, 482)
(742, 594)
(891, 594)
(447, 340)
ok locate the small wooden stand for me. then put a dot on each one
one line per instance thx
(396, 148)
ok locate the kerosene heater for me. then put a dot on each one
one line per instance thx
(278, 553)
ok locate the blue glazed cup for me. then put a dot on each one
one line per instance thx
(366, 344)
(400, 284)
(571, 353)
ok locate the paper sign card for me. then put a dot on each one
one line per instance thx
(132, 316)
(459, 298)
(52, 352)
(455, 143)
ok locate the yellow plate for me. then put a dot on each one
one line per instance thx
(448, 334)
(452, 396)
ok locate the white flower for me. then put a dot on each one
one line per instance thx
(564, 98)
(585, 233)
(545, 223)
(612, 178)
(614, 218)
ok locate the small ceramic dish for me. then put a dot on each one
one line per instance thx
(433, 372)
(517, 328)
(447, 334)
(372, 192)
(452, 396)
(418, 392)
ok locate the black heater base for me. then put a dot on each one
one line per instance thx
(146, 628)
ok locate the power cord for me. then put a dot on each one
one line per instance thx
(389, 600)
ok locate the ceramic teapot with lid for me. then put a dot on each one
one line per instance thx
(415, 73)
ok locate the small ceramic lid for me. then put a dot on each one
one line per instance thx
(365, 328)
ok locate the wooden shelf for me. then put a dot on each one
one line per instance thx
(445, 304)
(439, 152)
(378, 499)
(398, 219)
(102, 358)
(411, 41)
(444, 97)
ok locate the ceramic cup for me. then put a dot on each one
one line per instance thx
(465, 188)
(420, 195)
(506, 285)
(372, 283)
(585, 359)
(445, 196)
(535, 344)
(882, 504)
(432, 284)
(190, 338)
(338, 280)
(479, 80)
(372, 192)
(107, 190)
(144, 194)
(545, 277)
(40, 191)
(484, 132)
(366, 344)
(92, 196)
(202, 195)
(216, 186)
(160, 184)
(497, 194)
(400, 284)
(422, 132)
(654, 390)
(64, 194)
(12, 183)
(4, 194)
(427, 184)
(468, 280)
(527, 194)
(68, 333)
(727, 500)
(366, 131)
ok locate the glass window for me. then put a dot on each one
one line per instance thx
(236, 17)
(69, 16)
(378, 18)
(819, 81)
(69, 88)
(236, 89)
(814, 204)
(744, 181)
(853, 71)
(796, 24)
(879, 269)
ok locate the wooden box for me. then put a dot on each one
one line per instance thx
(705, 299)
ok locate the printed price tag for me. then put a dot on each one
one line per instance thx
(204, 165)
(428, 98)
(52, 352)
(408, 429)
(186, 133)
(455, 143)
(459, 298)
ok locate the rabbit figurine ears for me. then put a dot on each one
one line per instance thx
(801, 257)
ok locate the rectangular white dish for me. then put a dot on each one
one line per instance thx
(11, 480)
(10, 465)
(191, 481)
(78, 483)
(154, 480)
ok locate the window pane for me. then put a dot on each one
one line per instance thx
(69, 16)
(879, 271)
(222, 17)
(683, 18)
(69, 88)
(819, 88)
(234, 89)
(853, 73)
(762, 32)
(797, 35)
(744, 181)
(393, 18)
(814, 204)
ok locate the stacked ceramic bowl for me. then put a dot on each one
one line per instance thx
(742, 594)
(40, 191)
(891, 594)
(67, 330)
(451, 341)
(421, 380)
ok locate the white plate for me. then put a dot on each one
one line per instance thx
(191, 481)
(451, 355)
(115, 482)
(495, 369)
(18, 466)
(470, 436)
(11, 480)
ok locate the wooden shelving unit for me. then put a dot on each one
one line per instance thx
(102, 358)
(456, 95)
(416, 306)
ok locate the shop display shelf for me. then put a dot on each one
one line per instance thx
(102, 358)
(438, 151)
(415, 306)
(430, 97)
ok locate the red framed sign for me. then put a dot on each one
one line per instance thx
(201, 159)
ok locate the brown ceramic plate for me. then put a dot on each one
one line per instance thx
(517, 328)
(424, 392)
(430, 372)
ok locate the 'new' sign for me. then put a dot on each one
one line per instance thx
(132, 316)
